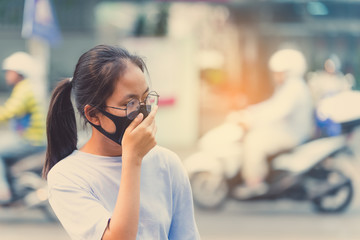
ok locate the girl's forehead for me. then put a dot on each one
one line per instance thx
(132, 75)
(132, 82)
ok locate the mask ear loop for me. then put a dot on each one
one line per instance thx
(120, 128)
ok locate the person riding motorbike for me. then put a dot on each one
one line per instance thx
(26, 115)
(329, 81)
(325, 84)
(281, 122)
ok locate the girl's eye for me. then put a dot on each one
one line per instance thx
(132, 104)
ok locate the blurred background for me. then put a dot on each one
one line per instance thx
(205, 59)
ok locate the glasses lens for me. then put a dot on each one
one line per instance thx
(151, 101)
(132, 109)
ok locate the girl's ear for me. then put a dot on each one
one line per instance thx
(91, 114)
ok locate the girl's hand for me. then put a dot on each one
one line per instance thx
(139, 138)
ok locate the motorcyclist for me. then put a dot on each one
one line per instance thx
(26, 116)
(330, 80)
(325, 84)
(281, 122)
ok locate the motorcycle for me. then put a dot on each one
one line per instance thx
(28, 188)
(310, 172)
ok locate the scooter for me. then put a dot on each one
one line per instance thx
(28, 188)
(309, 172)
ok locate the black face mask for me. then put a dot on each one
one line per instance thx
(121, 123)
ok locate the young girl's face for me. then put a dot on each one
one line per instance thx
(130, 85)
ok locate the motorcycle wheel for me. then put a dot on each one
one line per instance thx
(209, 190)
(335, 201)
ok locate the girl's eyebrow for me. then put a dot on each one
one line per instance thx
(134, 95)
(131, 96)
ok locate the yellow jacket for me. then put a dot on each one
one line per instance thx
(25, 112)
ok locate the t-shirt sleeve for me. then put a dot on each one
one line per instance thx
(183, 225)
(79, 211)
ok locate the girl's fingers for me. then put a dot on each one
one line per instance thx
(139, 124)
(151, 117)
(152, 126)
(135, 122)
(154, 130)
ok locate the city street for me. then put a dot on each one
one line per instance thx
(240, 86)
(251, 221)
(280, 220)
(277, 220)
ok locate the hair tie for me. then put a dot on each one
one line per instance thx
(70, 79)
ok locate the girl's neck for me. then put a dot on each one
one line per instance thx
(100, 145)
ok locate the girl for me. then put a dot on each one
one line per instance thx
(119, 185)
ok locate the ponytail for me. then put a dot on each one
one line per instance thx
(60, 126)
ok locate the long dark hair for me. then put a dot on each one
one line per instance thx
(93, 82)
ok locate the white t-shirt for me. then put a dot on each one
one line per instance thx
(83, 189)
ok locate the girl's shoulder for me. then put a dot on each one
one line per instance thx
(63, 167)
(166, 158)
(163, 154)
(79, 160)
(74, 167)
(66, 163)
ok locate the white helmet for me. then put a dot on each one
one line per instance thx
(288, 60)
(20, 62)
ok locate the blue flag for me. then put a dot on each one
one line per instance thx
(40, 21)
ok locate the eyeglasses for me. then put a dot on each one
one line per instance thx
(133, 107)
